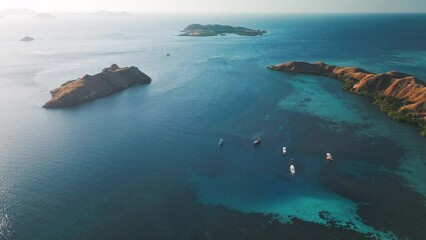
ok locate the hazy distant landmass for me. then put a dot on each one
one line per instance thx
(18, 11)
(44, 15)
(198, 30)
(400, 95)
(89, 88)
(27, 39)
(108, 13)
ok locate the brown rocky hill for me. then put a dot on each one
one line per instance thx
(401, 96)
(89, 88)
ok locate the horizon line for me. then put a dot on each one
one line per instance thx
(207, 12)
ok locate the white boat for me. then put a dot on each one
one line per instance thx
(292, 168)
(284, 150)
(257, 141)
(221, 142)
(328, 157)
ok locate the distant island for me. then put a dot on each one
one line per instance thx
(108, 13)
(89, 88)
(400, 95)
(18, 11)
(44, 15)
(198, 30)
(27, 39)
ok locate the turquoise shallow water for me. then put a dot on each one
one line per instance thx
(144, 163)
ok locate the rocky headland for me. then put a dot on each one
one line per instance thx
(89, 88)
(401, 96)
(198, 30)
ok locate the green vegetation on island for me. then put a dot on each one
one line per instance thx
(198, 30)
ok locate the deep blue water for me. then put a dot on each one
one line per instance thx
(144, 163)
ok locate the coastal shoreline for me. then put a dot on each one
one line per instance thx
(401, 96)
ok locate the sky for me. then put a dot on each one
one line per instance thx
(243, 6)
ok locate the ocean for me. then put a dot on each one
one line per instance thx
(145, 163)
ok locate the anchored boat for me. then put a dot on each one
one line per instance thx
(257, 141)
(284, 150)
(292, 168)
(329, 157)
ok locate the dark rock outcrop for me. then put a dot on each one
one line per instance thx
(198, 30)
(400, 95)
(27, 39)
(89, 88)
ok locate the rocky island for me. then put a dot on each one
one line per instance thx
(89, 88)
(400, 95)
(198, 30)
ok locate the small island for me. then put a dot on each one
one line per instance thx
(198, 30)
(400, 95)
(89, 88)
(27, 39)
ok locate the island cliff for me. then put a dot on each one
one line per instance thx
(198, 30)
(400, 95)
(89, 88)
